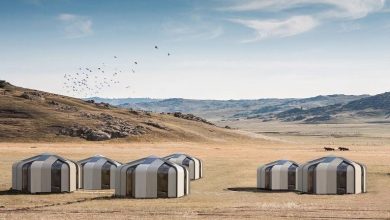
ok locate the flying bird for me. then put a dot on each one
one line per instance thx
(86, 82)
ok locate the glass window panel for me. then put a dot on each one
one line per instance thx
(56, 176)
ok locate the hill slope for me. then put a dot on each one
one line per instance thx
(373, 108)
(234, 109)
(27, 114)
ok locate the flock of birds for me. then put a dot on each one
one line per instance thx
(90, 81)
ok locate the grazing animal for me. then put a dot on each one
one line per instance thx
(343, 149)
(329, 148)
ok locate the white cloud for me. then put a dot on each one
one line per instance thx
(197, 30)
(339, 10)
(278, 28)
(352, 9)
(75, 26)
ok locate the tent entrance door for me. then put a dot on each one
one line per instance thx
(26, 173)
(268, 178)
(342, 178)
(129, 181)
(106, 178)
(291, 177)
(311, 179)
(162, 181)
(56, 176)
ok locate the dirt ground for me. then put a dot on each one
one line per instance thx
(227, 190)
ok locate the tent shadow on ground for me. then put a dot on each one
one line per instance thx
(257, 190)
(10, 192)
(13, 192)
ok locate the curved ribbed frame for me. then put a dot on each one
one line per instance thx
(151, 178)
(98, 173)
(278, 175)
(331, 175)
(45, 173)
(194, 165)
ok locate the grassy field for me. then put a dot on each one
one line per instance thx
(227, 190)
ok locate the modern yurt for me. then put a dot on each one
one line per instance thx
(278, 175)
(194, 165)
(151, 177)
(331, 175)
(98, 172)
(45, 173)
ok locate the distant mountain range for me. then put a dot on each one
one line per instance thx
(374, 109)
(330, 108)
(121, 101)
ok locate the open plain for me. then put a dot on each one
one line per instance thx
(238, 84)
(227, 190)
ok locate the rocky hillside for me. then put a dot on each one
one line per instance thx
(319, 109)
(32, 115)
(120, 101)
(374, 108)
(377, 102)
(216, 110)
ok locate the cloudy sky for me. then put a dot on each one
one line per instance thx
(220, 49)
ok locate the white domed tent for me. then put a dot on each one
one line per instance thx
(194, 165)
(278, 175)
(331, 175)
(98, 172)
(151, 177)
(45, 173)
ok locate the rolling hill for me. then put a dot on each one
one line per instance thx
(32, 115)
(369, 109)
(216, 110)
(337, 108)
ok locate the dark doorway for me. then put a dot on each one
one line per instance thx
(342, 178)
(130, 174)
(311, 179)
(363, 176)
(268, 178)
(162, 181)
(56, 176)
(106, 175)
(291, 177)
(26, 173)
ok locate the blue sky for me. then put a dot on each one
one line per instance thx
(229, 49)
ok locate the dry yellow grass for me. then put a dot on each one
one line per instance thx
(226, 191)
(46, 114)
